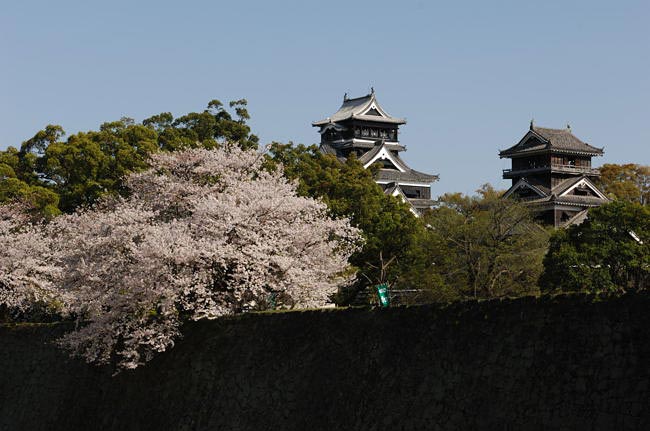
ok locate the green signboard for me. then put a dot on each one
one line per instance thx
(382, 291)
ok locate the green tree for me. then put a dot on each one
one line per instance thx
(630, 182)
(9, 161)
(609, 252)
(208, 129)
(52, 173)
(485, 246)
(19, 181)
(389, 228)
(43, 201)
(91, 164)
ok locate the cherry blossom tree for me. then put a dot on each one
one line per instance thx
(203, 234)
(27, 270)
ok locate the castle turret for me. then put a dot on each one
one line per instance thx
(551, 170)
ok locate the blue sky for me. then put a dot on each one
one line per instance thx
(468, 76)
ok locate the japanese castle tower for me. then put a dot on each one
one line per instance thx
(551, 169)
(361, 126)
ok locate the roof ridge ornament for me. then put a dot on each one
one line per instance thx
(568, 126)
(372, 90)
(532, 123)
(345, 97)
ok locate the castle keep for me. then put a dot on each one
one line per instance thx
(361, 126)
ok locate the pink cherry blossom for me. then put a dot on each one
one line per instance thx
(203, 234)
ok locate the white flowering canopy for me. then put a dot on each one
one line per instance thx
(203, 234)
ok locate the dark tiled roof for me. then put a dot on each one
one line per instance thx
(577, 219)
(390, 189)
(537, 183)
(410, 175)
(379, 119)
(570, 200)
(368, 155)
(554, 195)
(386, 174)
(351, 144)
(542, 138)
(328, 149)
(542, 191)
(414, 202)
(564, 139)
(566, 184)
(354, 108)
(421, 203)
(581, 200)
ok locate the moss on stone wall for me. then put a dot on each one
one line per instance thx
(567, 362)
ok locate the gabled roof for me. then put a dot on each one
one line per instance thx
(380, 151)
(395, 190)
(543, 139)
(362, 108)
(539, 184)
(566, 186)
(524, 183)
(403, 172)
(560, 193)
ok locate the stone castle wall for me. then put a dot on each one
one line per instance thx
(569, 362)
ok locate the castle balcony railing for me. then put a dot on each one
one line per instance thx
(557, 168)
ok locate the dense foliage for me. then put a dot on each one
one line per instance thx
(478, 246)
(389, 228)
(629, 182)
(481, 246)
(202, 233)
(61, 175)
(609, 252)
(26, 270)
(485, 246)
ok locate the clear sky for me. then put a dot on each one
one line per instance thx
(468, 76)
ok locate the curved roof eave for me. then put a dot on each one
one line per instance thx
(357, 108)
